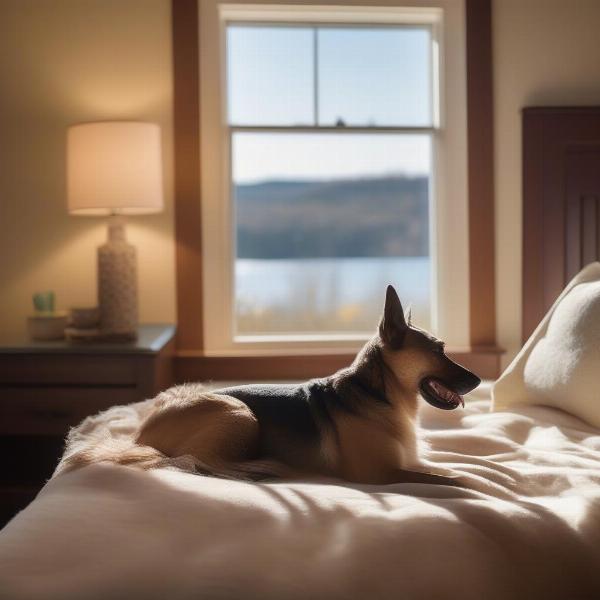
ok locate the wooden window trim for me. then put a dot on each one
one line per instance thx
(186, 149)
(480, 175)
(191, 363)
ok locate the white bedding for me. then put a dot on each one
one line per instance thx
(531, 531)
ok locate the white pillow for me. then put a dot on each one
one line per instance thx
(559, 366)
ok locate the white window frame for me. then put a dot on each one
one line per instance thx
(448, 192)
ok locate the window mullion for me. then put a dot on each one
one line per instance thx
(329, 129)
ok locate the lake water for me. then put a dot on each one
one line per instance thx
(319, 295)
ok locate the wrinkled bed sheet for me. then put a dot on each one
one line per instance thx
(529, 527)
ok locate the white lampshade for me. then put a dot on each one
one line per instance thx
(114, 167)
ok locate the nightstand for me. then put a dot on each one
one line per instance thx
(48, 387)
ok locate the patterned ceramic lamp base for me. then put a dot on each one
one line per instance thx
(117, 284)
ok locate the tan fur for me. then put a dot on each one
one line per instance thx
(373, 451)
(375, 446)
(215, 429)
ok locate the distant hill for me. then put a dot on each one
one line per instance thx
(385, 216)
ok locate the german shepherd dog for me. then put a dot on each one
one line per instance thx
(357, 425)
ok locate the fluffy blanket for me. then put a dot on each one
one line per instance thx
(529, 527)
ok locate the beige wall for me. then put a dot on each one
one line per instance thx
(65, 61)
(546, 52)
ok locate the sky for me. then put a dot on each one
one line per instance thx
(259, 156)
(364, 77)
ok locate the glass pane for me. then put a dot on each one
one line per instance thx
(270, 75)
(323, 223)
(374, 76)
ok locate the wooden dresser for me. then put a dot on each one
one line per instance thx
(47, 387)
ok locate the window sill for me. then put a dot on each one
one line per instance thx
(195, 366)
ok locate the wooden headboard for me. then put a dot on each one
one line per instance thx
(561, 194)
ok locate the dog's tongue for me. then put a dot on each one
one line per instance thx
(447, 394)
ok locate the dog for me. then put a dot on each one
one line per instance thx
(357, 425)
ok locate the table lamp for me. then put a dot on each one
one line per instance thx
(114, 168)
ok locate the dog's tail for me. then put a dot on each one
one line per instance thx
(113, 450)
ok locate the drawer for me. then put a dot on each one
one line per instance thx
(53, 410)
(67, 369)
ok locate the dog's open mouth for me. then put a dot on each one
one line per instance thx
(439, 394)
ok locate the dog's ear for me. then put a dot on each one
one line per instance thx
(393, 326)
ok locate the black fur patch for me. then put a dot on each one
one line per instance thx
(303, 411)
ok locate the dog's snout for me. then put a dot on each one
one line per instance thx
(461, 380)
(467, 382)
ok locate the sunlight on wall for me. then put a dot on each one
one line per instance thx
(70, 61)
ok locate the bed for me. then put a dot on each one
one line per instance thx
(527, 525)
(528, 528)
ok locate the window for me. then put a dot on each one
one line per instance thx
(330, 137)
(329, 162)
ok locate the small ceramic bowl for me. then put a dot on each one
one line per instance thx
(47, 327)
(84, 318)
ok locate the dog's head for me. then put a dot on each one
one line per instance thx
(418, 359)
